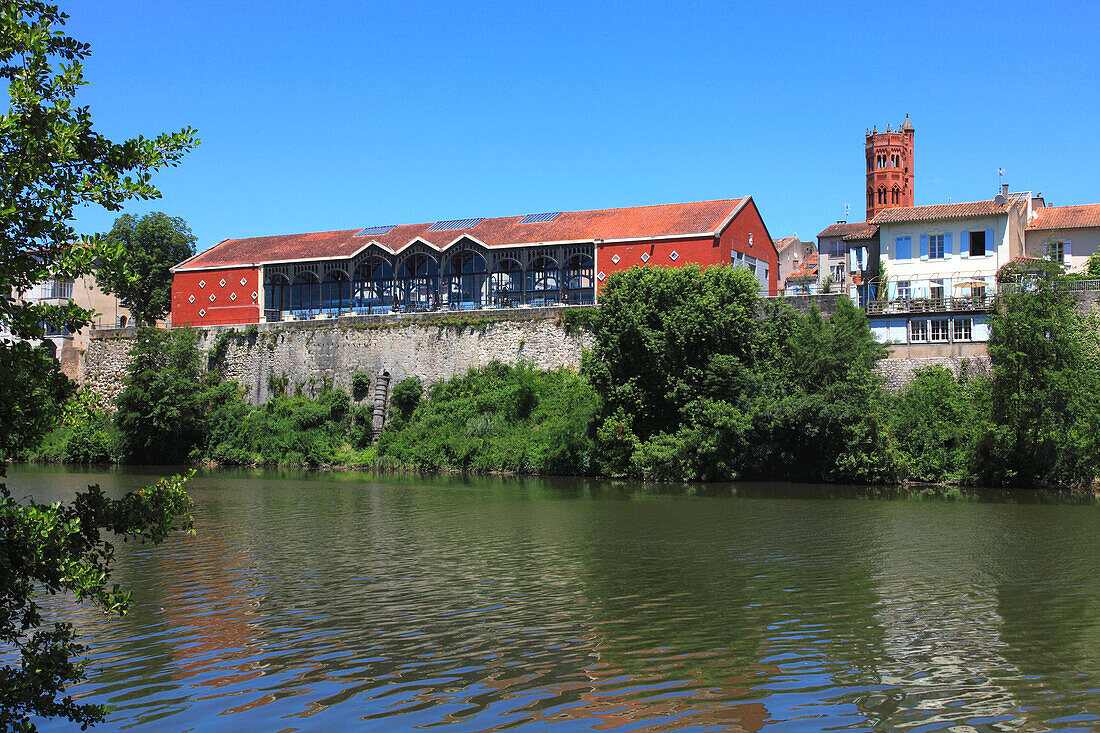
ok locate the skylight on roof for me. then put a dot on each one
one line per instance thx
(375, 231)
(540, 218)
(442, 226)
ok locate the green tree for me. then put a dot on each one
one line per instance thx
(51, 162)
(162, 406)
(1045, 398)
(151, 245)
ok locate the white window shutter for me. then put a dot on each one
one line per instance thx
(1065, 253)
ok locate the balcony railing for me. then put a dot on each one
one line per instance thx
(59, 289)
(498, 303)
(931, 305)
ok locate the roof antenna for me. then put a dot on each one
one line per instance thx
(847, 209)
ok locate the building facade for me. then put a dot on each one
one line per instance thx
(1070, 234)
(556, 258)
(68, 348)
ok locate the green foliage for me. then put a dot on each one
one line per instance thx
(937, 420)
(695, 385)
(577, 320)
(66, 548)
(162, 407)
(85, 434)
(360, 385)
(1045, 398)
(294, 431)
(32, 390)
(404, 397)
(499, 418)
(52, 162)
(150, 245)
(277, 385)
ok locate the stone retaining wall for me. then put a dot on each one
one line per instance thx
(899, 370)
(306, 354)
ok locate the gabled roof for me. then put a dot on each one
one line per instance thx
(782, 244)
(940, 211)
(807, 269)
(843, 229)
(1066, 217)
(865, 231)
(636, 222)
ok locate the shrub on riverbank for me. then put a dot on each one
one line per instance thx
(696, 386)
(498, 418)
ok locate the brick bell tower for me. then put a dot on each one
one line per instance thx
(889, 168)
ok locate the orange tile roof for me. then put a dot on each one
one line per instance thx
(782, 244)
(843, 229)
(864, 231)
(940, 211)
(808, 268)
(666, 220)
(1066, 217)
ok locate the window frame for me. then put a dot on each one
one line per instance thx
(941, 325)
(962, 329)
(918, 331)
(970, 237)
(933, 241)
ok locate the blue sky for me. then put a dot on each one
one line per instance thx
(320, 116)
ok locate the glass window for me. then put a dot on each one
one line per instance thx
(1056, 251)
(935, 247)
(904, 290)
(940, 329)
(963, 328)
(935, 289)
(837, 273)
(977, 244)
(918, 331)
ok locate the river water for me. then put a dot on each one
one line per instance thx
(313, 601)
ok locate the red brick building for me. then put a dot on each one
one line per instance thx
(534, 260)
(889, 168)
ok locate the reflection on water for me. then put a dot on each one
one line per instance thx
(321, 602)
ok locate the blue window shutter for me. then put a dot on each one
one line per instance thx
(1066, 247)
(924, 246)
(947, 246)
(990, 247)
(964, 244)
(892, 290)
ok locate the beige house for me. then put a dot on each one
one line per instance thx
(68, 347)
(793, 254)
(1068, 233)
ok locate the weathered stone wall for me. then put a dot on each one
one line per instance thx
(306, 354)
(826, 302)
(899, 371)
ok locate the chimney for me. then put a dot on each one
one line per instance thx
(1004, 190)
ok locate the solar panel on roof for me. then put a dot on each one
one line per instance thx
(540, 218)
(442, 226)
(375, 231)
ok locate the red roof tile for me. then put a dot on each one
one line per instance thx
(1066, 217)
(607, 224)
(808, 268)
(940, 211)
(782, 244)
(865, 231)
(844, 229)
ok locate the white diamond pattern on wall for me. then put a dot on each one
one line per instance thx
(673, 255)
(202, 283)
(222, 283)
(645, 256)
(244, 282)
(202, 313)
(212, 297)
(615, 260)
(254, 295)
(232, 296)
(191, 299)
(601, 276)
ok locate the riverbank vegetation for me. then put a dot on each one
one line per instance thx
(691, 377)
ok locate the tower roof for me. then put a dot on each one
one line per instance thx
(906, 126)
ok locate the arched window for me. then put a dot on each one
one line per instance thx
(895, 195)
(276, 295)
(373, 285)
(336, 292)
(305, 294)
(417, 281)
(506, 284)
(870, 198)
(466, 276)
(578, 280)
(542, 284)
